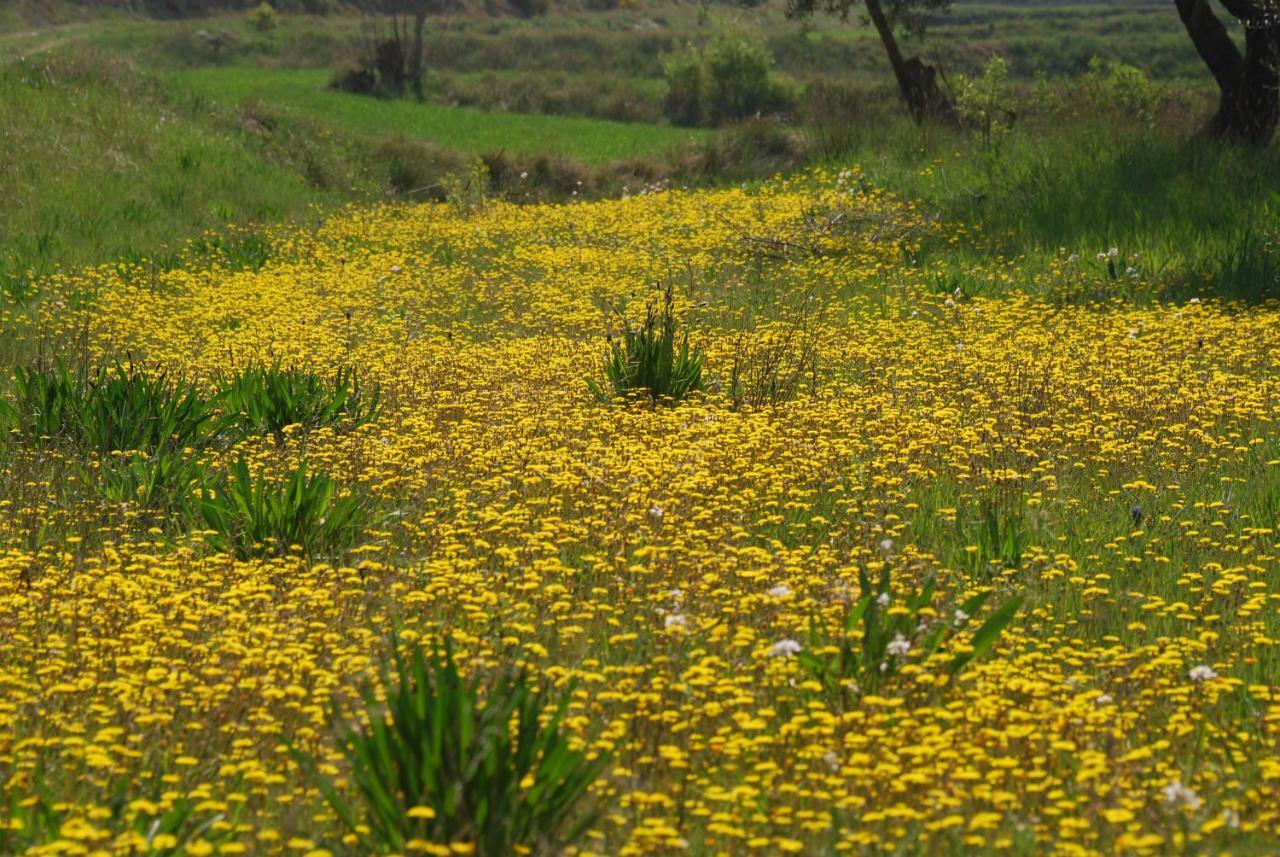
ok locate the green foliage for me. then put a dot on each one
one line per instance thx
(876, 638)
(1001, 540)
(1122, 87)
(737, 74)
(48, 402)
(264, 17)
(448, 760)
(114, 410)
(682, 71)
(648, 361)
(126, 409)
(258, 517)
(160, 482)
(986, 102)
(909, 16)
(726, 81)
(267, 399)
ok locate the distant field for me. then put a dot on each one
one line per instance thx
(465, 129)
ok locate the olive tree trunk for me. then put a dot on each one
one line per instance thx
(1248, 82)
(917, 81)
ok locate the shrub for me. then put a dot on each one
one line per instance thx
(648, 361)
(267, 399)
(444, 760)
(683, 100)
(726, 81)
(264, 17)
(737, 78)
(987, 101)
(257, 517)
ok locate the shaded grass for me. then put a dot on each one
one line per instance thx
(464, 129)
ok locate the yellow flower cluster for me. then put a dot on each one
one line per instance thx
(1116, 466)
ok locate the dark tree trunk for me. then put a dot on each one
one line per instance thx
(917, 81)
(1248, 83)
(415, 61)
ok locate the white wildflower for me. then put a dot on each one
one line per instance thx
(674, 621)
(1176, 794)
(899, 646)
(1203, 673)
(780, 591)
(786, 649)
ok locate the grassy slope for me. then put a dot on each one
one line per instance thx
(111, 169)
(467, 130)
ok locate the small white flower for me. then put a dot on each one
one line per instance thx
(961, 617)
(655, 513)
(1231, 819)
(675, 594)
(1073, 258)
(674, 621)
(395, 269)
(832, 760)
(1113, 252)
(1203, 673)
(886, 545)
(1103, 699)
(949, 303)
(1194, 301)
(780, 591)
(786, 649)
(883, 599)
(524, 176)
(899, 646)
(1176, 794)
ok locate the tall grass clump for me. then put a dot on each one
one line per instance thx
(647, 360)
(251, 517)
(267, 399)
(446, 760)
(113, 410)
(879, 634)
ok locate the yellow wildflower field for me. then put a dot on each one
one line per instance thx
(680, 568)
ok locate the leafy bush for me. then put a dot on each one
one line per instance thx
(257, 517)
(267, 399)
(264, 17)
(887, 635)
(986, 102)
(648, 361)
(726, 81)
(445, 760)
(737, 77)
(683, 100)
(159, 482)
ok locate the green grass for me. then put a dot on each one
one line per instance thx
(106, 167)
(467, 130)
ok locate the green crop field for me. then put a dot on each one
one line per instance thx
(464, 129)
